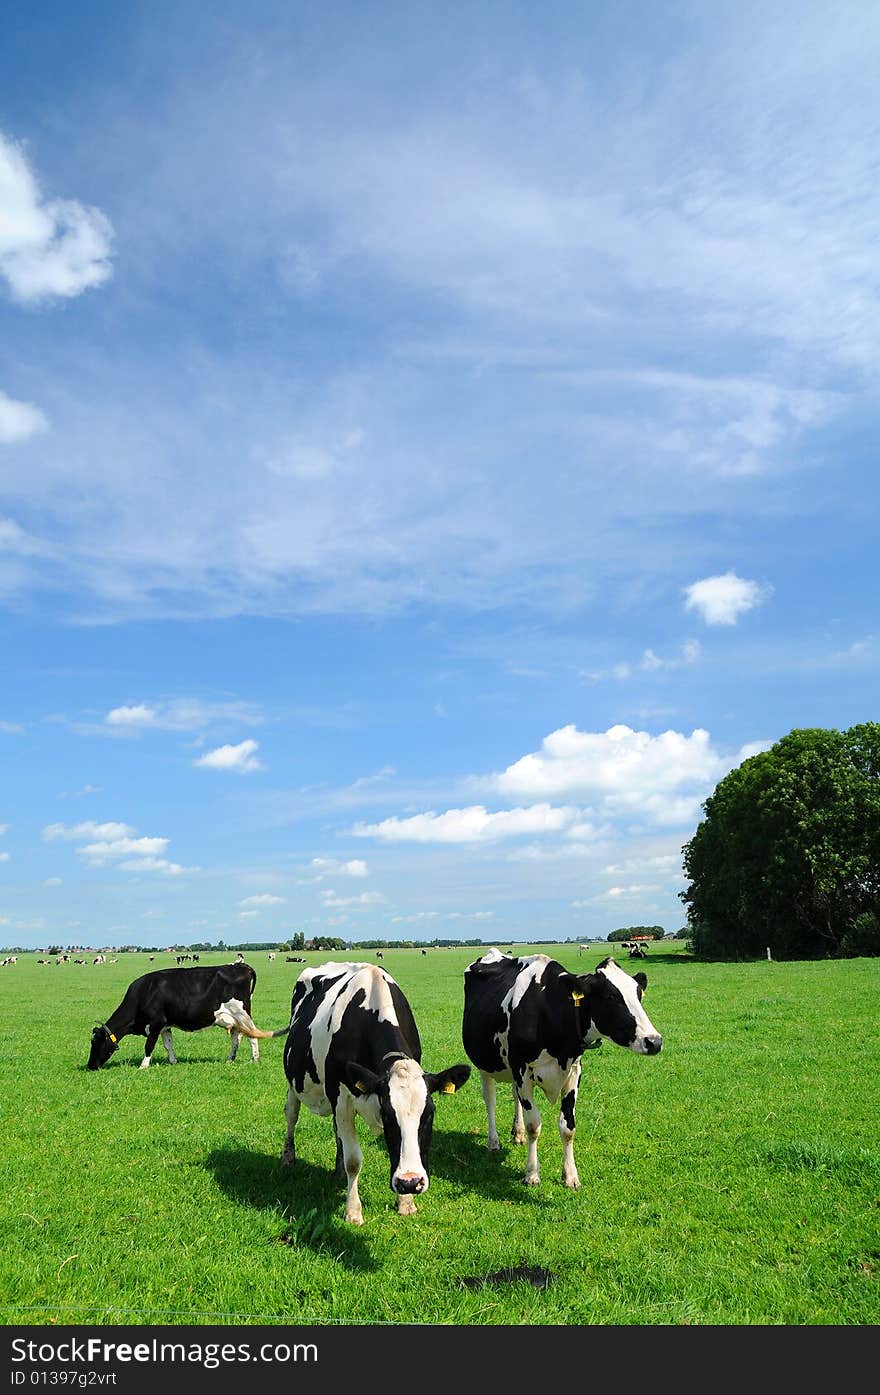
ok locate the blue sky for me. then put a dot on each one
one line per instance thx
(436, 445)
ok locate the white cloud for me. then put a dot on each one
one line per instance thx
(182, 714)
(721, 600)
(140, 716)
(325, 866)
(471, 825)
(11, 727)
(56, 248)
(88, 829)
(52, 881)
(366, 898)
(5, 857)
(4, 828)
(265, 898)
(241, 758)
(619, 761)
(155, 864)
(14, 539)
(614, 892)
(108, 849)
(19, 420)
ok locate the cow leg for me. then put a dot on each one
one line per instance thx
(339, 1164)
(517, 1128)
(343, 1118)
(291, 1114)
(488, 1085)
(167, 1043)
(532, 1118)
(149, 1047)
(234, 1039)
(567, 1126)
(255, 1050)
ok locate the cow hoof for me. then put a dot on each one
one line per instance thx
(406, 1206)
(494, 1146)
(531, 1179)
(355, 1218)
(518, 1138)
(573, 1183)
(288, 1157)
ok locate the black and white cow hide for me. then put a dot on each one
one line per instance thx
(353, 1048)
(528, 1021)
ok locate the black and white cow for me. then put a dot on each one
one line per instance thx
(186, 998)
(528, 1021)
(353, 1048)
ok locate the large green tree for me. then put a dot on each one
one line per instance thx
(788, 854)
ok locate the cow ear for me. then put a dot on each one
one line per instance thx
(642, 980)
(446, 1082)
(360, 1080)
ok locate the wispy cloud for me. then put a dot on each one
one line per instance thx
(472, 825)
(87, 829)
(181, 714)
(366, 898)
(331, 866)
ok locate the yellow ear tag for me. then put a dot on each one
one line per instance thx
(577, 998)
(448, 1088)
(112, 1037)
(359, 1085)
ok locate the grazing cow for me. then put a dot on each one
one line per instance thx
(424, 951)
(379, 954)
(528, 1020)
(100, 959)
(10, 959)
(271, 957)
(190, 999)
(637, 952)
(353, 1048)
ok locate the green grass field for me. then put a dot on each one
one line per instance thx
(733, 1179)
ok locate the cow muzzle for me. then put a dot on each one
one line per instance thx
(652, 1045)
(410, 1183)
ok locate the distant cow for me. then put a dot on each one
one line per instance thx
(637, 952)
(379, 954)
(353, 1048)
(271, 958)
(424, 951)
(10, 959)
(100, 959)
(186, 998)
(528, 1021)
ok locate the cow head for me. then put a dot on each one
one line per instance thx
(615, 1007)
(104, 1043)
(406, 1108)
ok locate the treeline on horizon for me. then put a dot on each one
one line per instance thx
(329, 942)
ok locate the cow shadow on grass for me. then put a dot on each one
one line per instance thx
(306, 1197)
(463, 1159)
(162, 1063)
